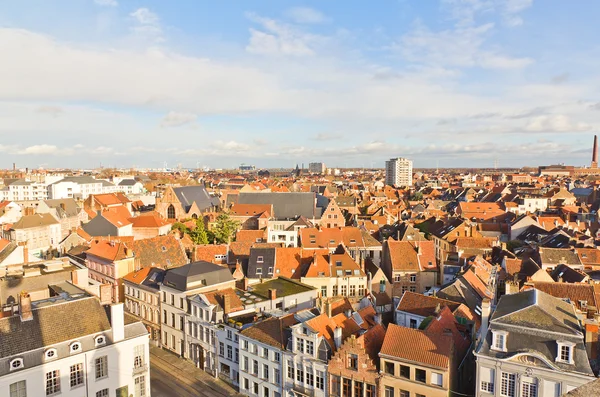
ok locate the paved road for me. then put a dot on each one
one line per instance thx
(171, 376)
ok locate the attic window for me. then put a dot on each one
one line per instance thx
(321, 274)
(163, 248)
(75, 347)
(100, 340)
(313, 241)
(338, 263)
(50, 354)
(259, 271)
(270, 271)
(338, 273)
(260, 259)
(352, 241)
(348, 272)
(17, 363)
(331, 241)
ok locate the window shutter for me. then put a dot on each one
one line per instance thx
(486, 375)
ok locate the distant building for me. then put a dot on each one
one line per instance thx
(398, 172)
(247, 167)
(316, 168)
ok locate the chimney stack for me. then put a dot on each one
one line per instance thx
(485, 316)
(328, 308)
(117, 322)
(337, 337)
(272, 294)
(25, 307)
(595, 153)
(591, 338)
(227, 304)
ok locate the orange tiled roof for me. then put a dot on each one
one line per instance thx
(109, 249)
(217, 298)
(107, 199)
(151, 219)
(251, 235)
(3, 243)
(417, 346)
(330, 237)
(207, 252)
(250, 209)
(137, 277)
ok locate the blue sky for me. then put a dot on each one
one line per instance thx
(276, 83)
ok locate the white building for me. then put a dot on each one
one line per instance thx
(316, 168)
(75, 187)
(23, 190)
(398, 172)
(44, 354)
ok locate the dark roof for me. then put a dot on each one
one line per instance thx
(198, 194)
(268, 260)
(587, 390)
(71, 209)
(51, 325)
(286, 205)
(566, 274)
(196, 275)
(127, 182)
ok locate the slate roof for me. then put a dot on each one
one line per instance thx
(417, 346)
(559, 255)
(196, 275)
(71, 209)
(127, 182)
(36, 220)
(51, 325)
(576, 293)
(187, 195)
(587, 390)
(272, 331)
(286, 205)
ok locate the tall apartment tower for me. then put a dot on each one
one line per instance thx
(398, 172)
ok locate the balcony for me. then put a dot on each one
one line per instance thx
(140, 369)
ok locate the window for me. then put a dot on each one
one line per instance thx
(437, 379)
(397, 278)
(405, 371)
(165, 316)
(324, 291)
(140, 386)
(413, 278)
(245, 364)
(335, 290)
(389, 368)
(499, 340)
(389, 391)
(404, 393)
(255, 387)
(270, 270)
(100, 340)
(420, 375)
(310, 378)
(265, 372)
(237, 355)
(290, 370)
(260, 259)
(221, 349)
(102, 393)
(300, 375)
(50, 354)
(507, 388)
(171, 212)
(335, 385)
(358, 388)
(486, 375)
(259, 270)
(310, 347)
(18, 389)
(265, 391)
(346, 387)
(276, 357)
(565, 352)
(320, 380)
(229, 352)
(413, 323)
(300, 345)
(138, 356)
(246, 384)
(412, 288)
(528, 387)
(369, 390)
(76, 375)
(244, 344)
(75, 347)
(353, 290)
(276, 376)
(353, 361)
(101, 367)
(181, 303)
(265, 352)
(17, 363)
(255, 367)
(344, 290)
(52, 382)
(229, 334)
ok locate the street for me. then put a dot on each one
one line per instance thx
(171, 376)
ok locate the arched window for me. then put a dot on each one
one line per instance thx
(171, 212)
(17, 363)
(194, 216)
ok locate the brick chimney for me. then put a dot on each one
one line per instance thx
(226, 304)
(272, 294)
(246, 283)
(25, 307)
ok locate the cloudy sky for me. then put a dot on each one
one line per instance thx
(275, 83)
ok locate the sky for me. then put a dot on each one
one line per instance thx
(275, 83)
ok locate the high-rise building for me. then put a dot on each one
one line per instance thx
(398, 172)
(316, 168)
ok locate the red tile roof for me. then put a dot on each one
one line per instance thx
(250, 209)
(110, 250)
(148, 220)
(417, 346)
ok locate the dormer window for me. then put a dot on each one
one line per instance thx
(338, 263)
(50, 354)
(499, 340)
(100, 340)
(75, 348)
(565, 352)
(260, 259)
(15, 364)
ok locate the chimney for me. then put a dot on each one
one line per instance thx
(348, 313)
(377, 319)
(105, 292)
(227, 303)
(485, 316)
(591, 339)
(117, 322)
(337, 337)
(25, 307)
(328, 308)
(272, 294)
(591, 312)
(79, 277)
(246, 283)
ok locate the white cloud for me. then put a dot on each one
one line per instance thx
(277, 38)
(147, 25)
(145, 17)
(107, 3)
(305, 15)
(41, 149)
(465, 12)
(176, 119)
(556, 123)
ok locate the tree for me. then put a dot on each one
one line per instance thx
(224, 228)
(417, 196)
(181, 227)
(199, 235)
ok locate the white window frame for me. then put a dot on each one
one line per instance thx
(16, 364)
(437, 376)
(18, 389)
(495, 335)
(100, 340)
(487, 379)
(560, 345)
(75, 348)
(51, 354)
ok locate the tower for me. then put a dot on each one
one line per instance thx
(595, 153)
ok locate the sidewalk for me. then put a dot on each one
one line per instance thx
(185, 370)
